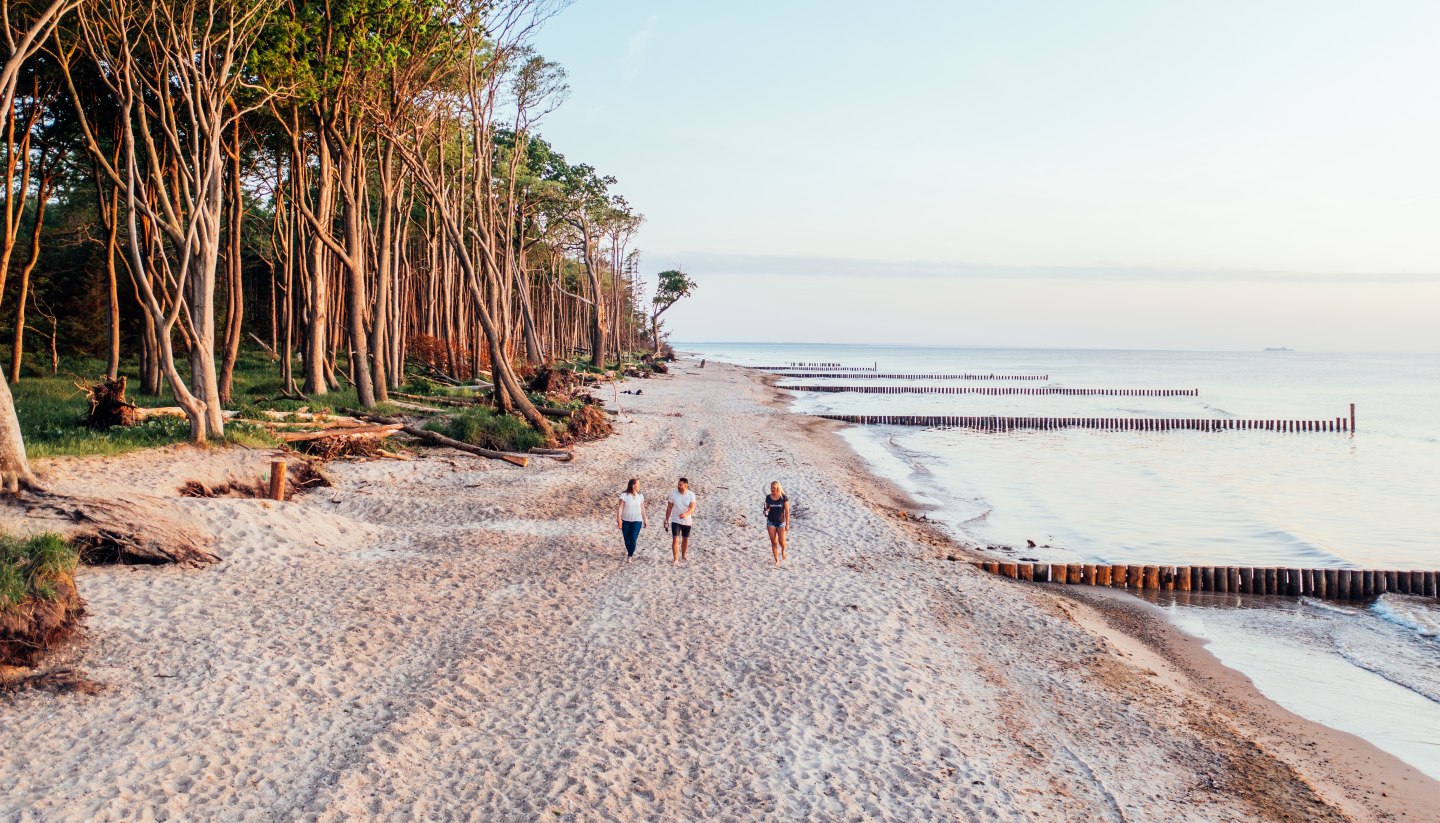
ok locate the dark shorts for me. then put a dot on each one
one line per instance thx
(772, 524)
(679, 530)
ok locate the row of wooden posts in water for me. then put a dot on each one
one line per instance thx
(875, 375)
(1332, 584)
(818, 367)
(996, 391)
(994, 423)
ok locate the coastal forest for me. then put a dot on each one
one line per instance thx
(310, 199)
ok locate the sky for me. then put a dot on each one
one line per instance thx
(1102, 174)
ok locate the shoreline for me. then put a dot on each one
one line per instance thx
(1341, 763)
(447, 635)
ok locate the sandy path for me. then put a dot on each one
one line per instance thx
(451, 638)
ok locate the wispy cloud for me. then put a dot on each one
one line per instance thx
(782, 265)
(638, 47)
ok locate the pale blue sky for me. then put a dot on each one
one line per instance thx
(1132, 174)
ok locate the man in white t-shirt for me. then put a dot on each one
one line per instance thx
(679, 515)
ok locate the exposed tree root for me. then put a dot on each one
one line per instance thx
(61, 680)
(120, 530)
(37, 624)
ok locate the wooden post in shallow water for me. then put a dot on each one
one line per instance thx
(277, 480)
(1182, 578)
(1352, 418)
(1247, 580)
(1234, 573)
(1103, 575)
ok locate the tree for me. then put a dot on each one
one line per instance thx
(23, 38)
(174, 70)
(673, 286)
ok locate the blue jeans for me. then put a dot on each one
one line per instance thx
(631, 530)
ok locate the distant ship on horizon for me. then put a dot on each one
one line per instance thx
(1277, 348)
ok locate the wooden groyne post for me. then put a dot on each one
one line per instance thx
(997, 423)
(998, 391)
(277, 480)
(1324, 583)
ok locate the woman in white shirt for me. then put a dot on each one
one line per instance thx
(630, 516)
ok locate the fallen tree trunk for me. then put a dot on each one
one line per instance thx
(437, 439)
(117, 530)
(444, 401)
(415, 406)
(362, 431)
(559, 454)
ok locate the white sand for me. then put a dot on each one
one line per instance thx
(454, 638)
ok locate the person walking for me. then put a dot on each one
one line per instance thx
(777, 520)
(679, 515)
(630, 516)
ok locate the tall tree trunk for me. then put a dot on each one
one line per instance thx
(112, 284)
(42, 197)
(381, 334)
(14, 467)
(234, 270)
(318, 321)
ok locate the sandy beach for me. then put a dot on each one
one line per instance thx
(455, 638)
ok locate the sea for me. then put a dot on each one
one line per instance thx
(1263, 498)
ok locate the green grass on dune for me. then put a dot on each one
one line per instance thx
(485, 428)
(52, 410)
(31, 567)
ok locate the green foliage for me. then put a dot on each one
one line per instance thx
(482, 427)
(30, 567)
(673, 285)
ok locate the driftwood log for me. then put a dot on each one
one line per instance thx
(562, 455)
(353, 431)
(443, 401)
(121, 530)
(437, 439)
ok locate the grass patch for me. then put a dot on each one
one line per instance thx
(52, 410)
(34, 567)
(482, 427)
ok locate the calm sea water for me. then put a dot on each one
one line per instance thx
(1239, 498)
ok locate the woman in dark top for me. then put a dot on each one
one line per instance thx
(777, 520)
